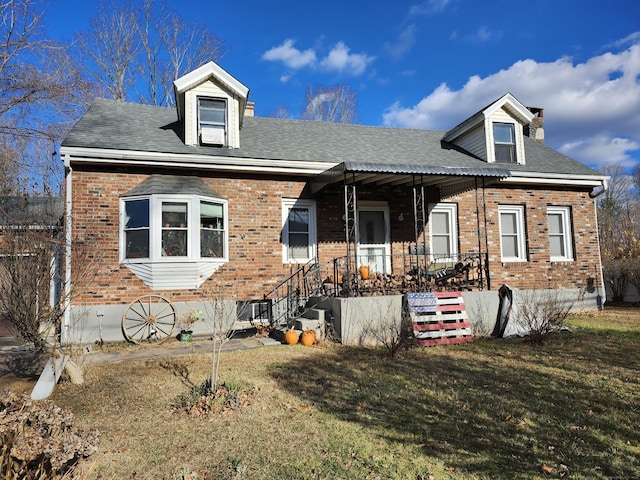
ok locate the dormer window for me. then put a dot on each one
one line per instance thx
(504, 137)
(212, 121)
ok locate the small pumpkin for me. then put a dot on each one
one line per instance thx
(291, 337)
(308, 338)
(364, 272)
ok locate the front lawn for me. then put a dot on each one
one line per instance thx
(486, 410)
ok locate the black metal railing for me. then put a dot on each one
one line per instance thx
(290, 297)
(403, 273)
(374, 275)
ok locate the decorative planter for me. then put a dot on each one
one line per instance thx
(185, 336)
(364, 272)
(291, 337)
(308, 338)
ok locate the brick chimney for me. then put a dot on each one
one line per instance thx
(535, 129)
(249, 109)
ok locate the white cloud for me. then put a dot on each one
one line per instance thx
(602, 150)
(597, 99)
(339, 59)
(291, 56)
(483, 34)
(429, 7)
(404, 44)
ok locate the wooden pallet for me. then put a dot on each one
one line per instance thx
(439, 318)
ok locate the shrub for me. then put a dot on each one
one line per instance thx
(38, 440)
(202, 399)
(541, 312)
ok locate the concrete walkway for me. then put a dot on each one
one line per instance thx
(17, 359)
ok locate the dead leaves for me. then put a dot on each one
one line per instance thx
(563, 470)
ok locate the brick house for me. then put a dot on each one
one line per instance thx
(207, 199)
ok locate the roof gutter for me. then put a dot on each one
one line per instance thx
(605, 187)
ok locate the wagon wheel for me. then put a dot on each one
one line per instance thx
(150, 318)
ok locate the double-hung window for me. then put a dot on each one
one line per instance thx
(212, 121)
(298, 230)
(560, 241)
(512, 233)
(174, 228)
(136, 228)
(443, 222)
(504, 137)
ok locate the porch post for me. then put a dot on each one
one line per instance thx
(350, 225)
(420, 220)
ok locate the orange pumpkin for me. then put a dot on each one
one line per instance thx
(291, 337)
(308, 338)
(364, 272)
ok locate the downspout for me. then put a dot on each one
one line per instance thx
(605, 187)
(66, 319)
(601, 299)
(486, 233)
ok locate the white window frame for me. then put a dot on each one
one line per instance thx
(155, 229)
(451, 209)
(514, 144)
(566, 234)
(520, 233)
(310, 205)
(200, 122)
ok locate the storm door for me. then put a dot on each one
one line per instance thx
(373, 237)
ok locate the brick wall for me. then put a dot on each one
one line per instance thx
(255, 251)
(539, 271)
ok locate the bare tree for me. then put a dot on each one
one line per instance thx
(32, 297)
(137, 49)
(112, 44)
(619, 229)
(337, 104)
(34, 85)
(187, 47)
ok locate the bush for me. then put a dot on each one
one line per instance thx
(202, 399)
(38, 440)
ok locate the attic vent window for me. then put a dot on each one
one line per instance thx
(505, 143)
(212, 115)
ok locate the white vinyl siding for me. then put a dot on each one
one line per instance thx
(212, 90)
(512, 233)
(474, 142)
(560, 234)
(501, 116)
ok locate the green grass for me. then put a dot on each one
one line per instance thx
(498, 409)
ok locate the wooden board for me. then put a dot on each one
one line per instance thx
(439, 318)
(48, 378)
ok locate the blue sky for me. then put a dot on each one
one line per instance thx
(432, 63)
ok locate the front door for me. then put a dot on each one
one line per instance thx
(373, 237)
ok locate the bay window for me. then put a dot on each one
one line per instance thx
(173, 228)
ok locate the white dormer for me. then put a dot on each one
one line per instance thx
(211, 105)
(496, 133)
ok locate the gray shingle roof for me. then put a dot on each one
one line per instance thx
(172, 184)
(128, 126)
(34, 211)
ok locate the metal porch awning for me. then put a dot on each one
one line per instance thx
(448, 179)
